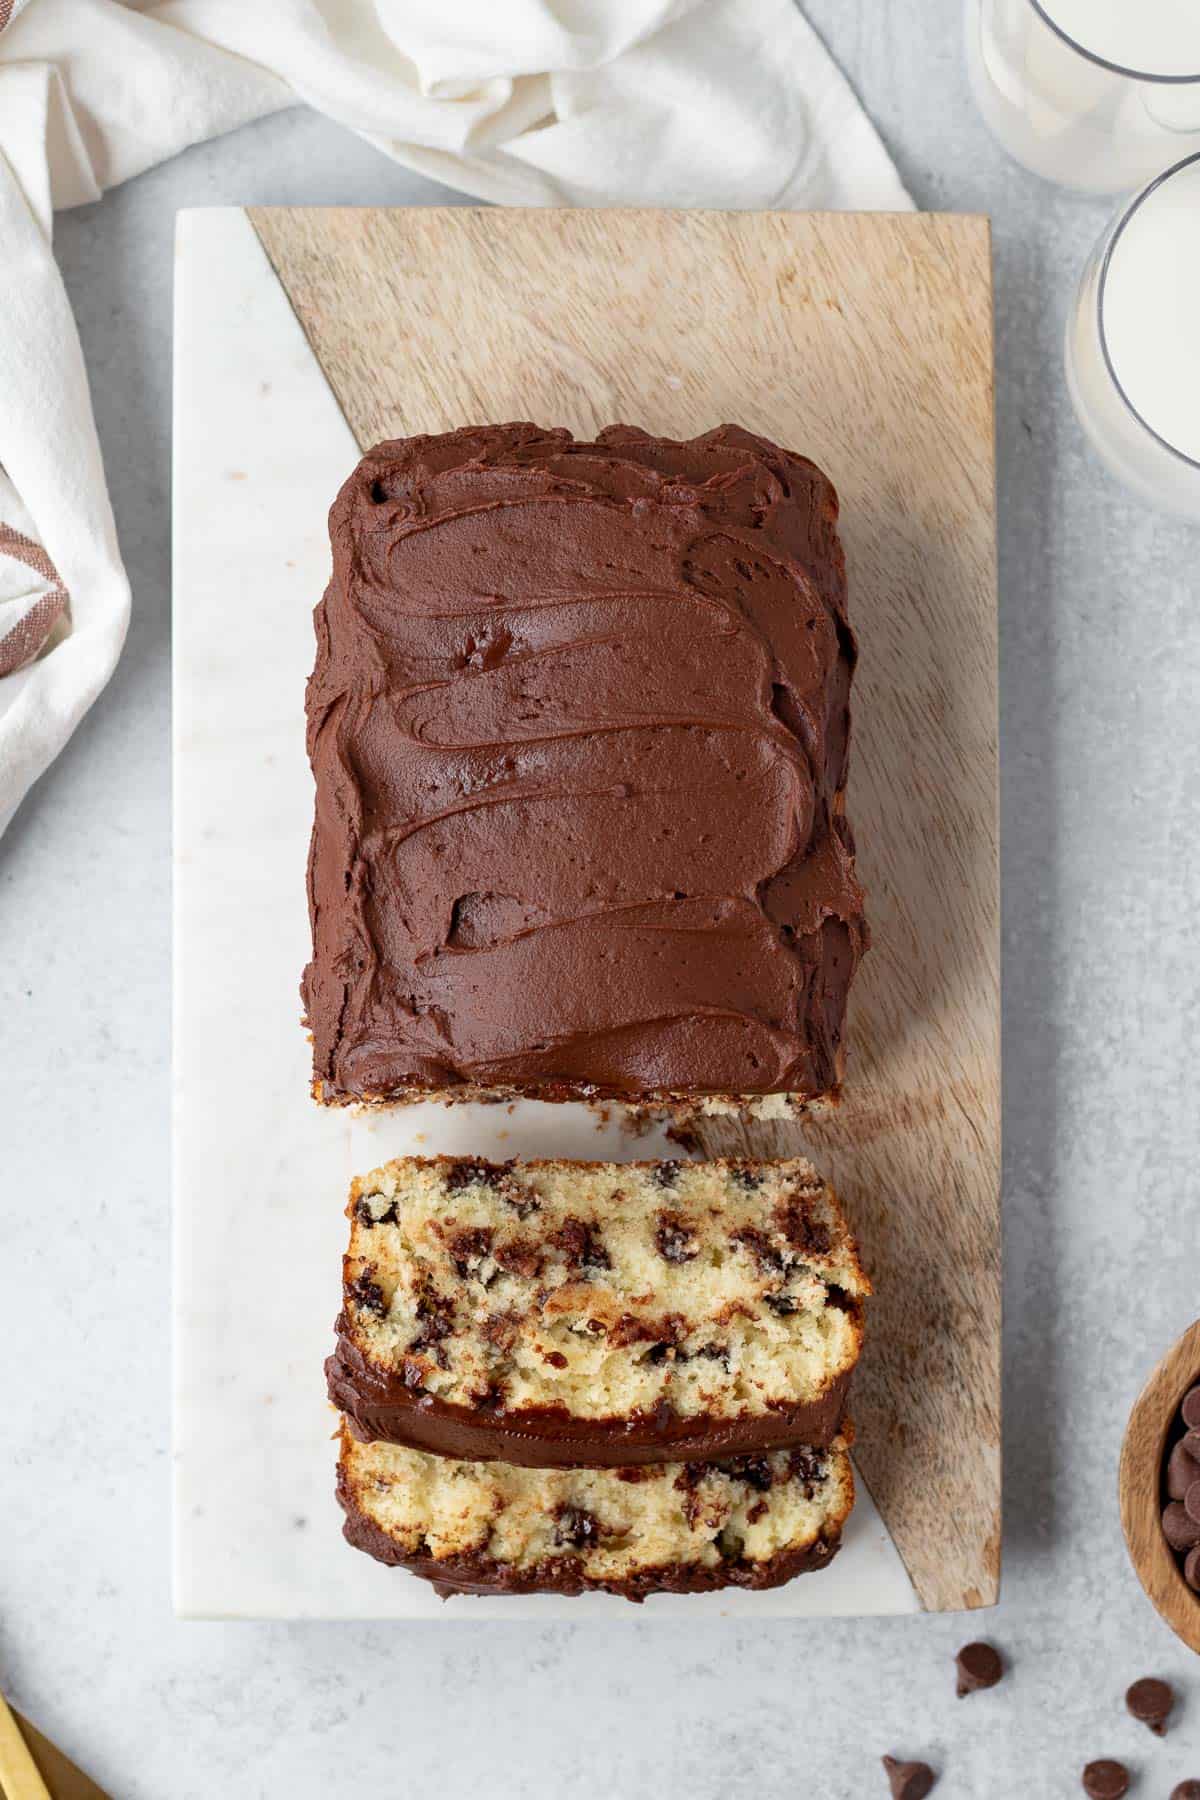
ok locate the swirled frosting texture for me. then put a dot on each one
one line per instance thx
(578, 725)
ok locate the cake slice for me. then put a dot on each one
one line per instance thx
(578, 725)
(559, 1314)
(677, 1527)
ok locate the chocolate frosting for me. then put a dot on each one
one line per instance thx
(477, 1573)
(578, 724)
(380, 1408)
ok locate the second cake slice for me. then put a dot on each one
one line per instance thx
(563, 1314)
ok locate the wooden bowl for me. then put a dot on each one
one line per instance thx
(1140, 1487)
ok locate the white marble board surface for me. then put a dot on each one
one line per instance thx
(260, 1173)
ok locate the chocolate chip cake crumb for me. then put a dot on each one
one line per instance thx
(979, 1666)
(1105, 1779)
(1150, 1702)
(616, 1326)
(909, 1780)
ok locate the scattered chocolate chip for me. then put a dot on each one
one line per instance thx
(1190, 1409)
(1105, 1780)
(1191, 1568)
(556, 1359)
(909, 1780)
(1150, 1701)
(575, 1528)
(676, 1242)
(979, 1667)
(368, 1295)
(1186, 1790)
(666, 1174)
(1179, 1528)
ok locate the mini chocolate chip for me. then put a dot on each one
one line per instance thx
(809, 1468)
(755, 1471)
(1105, 1780)
(804, 1233)
(1191, 1567)
(1150, 1701)
(364, 1215)
(1182, 1470)
(909, 1780)
(1186, 1790)
(676, 1242)
(581, 1244)
(1191, 1501)
(1180, 1530)
(368, 1295)
(979, 1667)
(576, 1527)
(469, 1244)
(469, 1170)
(1190, 1409)
(666, 1174)
(747, 1176)
(770, 1260)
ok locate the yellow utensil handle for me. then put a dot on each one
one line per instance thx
(18, 1772)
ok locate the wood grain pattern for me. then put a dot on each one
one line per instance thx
(1139, 1483)
(865, 342)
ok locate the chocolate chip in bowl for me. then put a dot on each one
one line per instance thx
(1156, 1484)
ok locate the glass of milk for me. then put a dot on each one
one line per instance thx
(1133, 342)
(1094, 94)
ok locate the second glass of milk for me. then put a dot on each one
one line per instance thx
(1097, 95)
(1133, 342)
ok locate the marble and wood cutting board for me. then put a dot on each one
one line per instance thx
(863, 341)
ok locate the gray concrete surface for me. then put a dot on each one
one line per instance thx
(1101, 810)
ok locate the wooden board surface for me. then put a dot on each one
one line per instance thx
(863, 341)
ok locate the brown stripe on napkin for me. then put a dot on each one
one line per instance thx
(25, 639)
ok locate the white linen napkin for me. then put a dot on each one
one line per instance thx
(718, 103)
